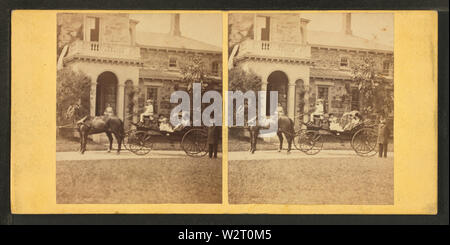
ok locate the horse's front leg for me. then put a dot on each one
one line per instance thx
(289, 139)
(251, 140)
(110, 138)
(119, 139)
(83, 143)
(280, 137)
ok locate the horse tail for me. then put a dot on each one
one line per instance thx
(122, 129)
(291, 126)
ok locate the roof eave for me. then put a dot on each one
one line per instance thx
(181, 50)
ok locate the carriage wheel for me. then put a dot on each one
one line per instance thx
(308, 141)
(138, 142)
(364, 142)
(194, 143)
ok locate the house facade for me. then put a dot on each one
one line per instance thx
(303, 65)
(128, 67)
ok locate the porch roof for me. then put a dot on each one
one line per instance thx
(168, 41)
(339, 39)
(155, 74)
(330, 73)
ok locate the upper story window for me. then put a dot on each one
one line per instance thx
(215, 68)
(344, 62)
(173, 62)
(263, 28)
(386, 67)
(93, 29)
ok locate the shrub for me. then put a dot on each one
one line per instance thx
(72, 96)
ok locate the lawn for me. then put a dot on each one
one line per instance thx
(353, 181)
(134, 181)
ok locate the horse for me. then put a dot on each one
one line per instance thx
(285, 126)
(101, 124)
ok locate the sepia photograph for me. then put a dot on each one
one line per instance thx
(116, 76)
(332, 75)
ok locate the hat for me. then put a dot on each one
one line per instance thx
(149, 100)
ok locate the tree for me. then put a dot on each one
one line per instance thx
(72, 96)
(194, 71)
(241, 80)
(376, 92)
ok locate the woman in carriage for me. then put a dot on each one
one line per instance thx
(347, 122)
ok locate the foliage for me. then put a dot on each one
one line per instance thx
(194, 71)
(72, 96)
(376, 92)
(132, 92)
(243, 80)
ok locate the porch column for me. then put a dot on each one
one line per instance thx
(306, 98)
(121, 101)
(291, 100)
(136, 103)
(264, 86)
(93, 95)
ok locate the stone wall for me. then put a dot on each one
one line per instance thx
(339, 91)
(115, 28)
(330, 58)
(285, 28)
(159, 60)
(339, 95)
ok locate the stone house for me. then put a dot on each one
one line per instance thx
(128, 67)
(304, 65)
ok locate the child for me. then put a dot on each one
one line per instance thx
(334, 124)
(185, 120)
(148, 111)
(382, 139)
(109, 111)
(318, 112)
(280, 110)
(164, 124)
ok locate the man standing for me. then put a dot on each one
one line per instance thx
(382, 139)
(213, 140)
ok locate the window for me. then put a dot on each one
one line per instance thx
(215, 68)
(355, 99)
(344, 62)
(322, 93)
(152, 93)
(172, 62)
(263, 28)
(386, 67)
(93, 29)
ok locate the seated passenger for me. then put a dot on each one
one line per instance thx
(318, 112)
(148, 111)
(354, 121)
(164, 124)
(334, 124)
(280, 110)
(109, 111)
(185, 120)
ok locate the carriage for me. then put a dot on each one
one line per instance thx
(140, 139)
(362, 136)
